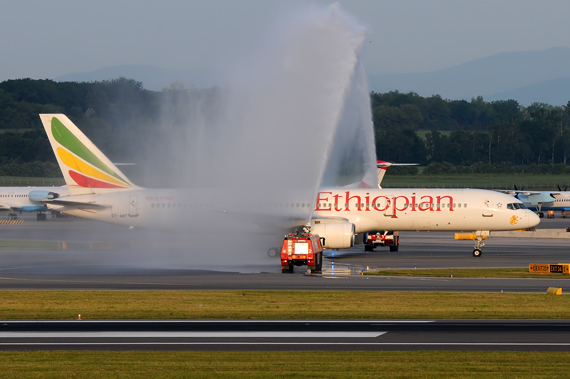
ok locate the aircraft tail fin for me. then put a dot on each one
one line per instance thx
(85, 168)
(382, 166)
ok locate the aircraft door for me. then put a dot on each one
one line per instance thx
(388, 205)
(133, 206)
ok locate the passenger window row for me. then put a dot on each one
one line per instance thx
(417, 205)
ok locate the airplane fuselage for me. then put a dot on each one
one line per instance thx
(367, 209)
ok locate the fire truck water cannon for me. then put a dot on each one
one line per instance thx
(301, 249)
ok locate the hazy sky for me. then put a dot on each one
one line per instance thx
(45, 39)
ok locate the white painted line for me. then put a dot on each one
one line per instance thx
(268, 334)
(285, 343)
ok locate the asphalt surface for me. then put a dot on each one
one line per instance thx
(80, 254)
(104, 256)
(277, 335)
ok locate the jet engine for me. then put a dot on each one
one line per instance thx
(40, 196)
(337, 235)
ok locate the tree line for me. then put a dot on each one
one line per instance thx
(411, 128)
(124, 120)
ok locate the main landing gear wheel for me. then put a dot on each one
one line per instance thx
(273, 252)
(477, 253)
(540, 214)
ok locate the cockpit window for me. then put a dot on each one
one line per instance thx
(515, 206)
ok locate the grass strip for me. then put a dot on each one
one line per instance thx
(279, 305)
(496, 181)
(312, 364)
(469, 273)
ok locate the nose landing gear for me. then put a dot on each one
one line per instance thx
(478, 245)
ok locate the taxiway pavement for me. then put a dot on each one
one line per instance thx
(104, 256)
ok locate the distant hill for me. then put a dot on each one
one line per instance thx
(528, 76)
(554, 92)
(153, 78)
(499, 76)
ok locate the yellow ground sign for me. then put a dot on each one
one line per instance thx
(538, 268)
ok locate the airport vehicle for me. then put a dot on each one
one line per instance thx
(29, 199)
(301, 249)
(381, 239)
(99, 190)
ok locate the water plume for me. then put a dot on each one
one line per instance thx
(294, 111)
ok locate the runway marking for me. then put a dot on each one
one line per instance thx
(268, 334)
(287, 343)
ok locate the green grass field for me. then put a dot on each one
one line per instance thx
(279, 305)
(484, 181)
(470, 273)
(18, 181)
(311, 364)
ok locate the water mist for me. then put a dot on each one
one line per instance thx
(294, 111)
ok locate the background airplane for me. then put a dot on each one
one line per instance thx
(541, 201)
(29, 199)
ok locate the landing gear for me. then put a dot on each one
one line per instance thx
(540, 214)
(478, 245)
(394, 247)
(12, 215)
(41, 217)
(273, 252)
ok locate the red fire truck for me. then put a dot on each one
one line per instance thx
(301, 249)
(384, 238)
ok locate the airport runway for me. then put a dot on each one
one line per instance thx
(287, 335)
(103, 256)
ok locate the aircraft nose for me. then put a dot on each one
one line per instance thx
(533, 219)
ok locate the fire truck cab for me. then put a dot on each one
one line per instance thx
(382, 238)
(301, 249)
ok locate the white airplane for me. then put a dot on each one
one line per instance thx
(543, 200)
(29, 199)
(99, 190)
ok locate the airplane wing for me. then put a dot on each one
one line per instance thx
(6, 206)
(58, 204)
(526, 193)
(547, 196)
